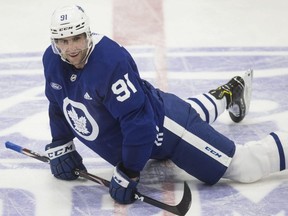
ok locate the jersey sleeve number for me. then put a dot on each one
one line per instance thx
(123, 88)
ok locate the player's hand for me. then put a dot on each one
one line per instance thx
(64, 159)
(123, 188)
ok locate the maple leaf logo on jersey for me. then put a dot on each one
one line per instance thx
(78, 122)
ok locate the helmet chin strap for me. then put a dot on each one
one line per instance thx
(89, 51)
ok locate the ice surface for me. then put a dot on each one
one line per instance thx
(185, 47)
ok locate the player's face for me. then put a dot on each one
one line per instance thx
(74, 49)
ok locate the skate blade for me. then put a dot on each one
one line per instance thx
(248, 78)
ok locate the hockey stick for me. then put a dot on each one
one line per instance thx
(180, 209)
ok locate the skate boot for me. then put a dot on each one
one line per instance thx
(238, 94)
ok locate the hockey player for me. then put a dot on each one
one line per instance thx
(96, 94)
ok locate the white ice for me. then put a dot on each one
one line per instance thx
(26, 185)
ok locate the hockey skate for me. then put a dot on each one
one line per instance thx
(238, 95)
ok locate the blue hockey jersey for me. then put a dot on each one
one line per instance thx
(106, 105)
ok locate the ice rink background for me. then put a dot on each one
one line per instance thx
(186, 47)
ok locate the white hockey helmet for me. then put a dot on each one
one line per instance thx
(69, 21)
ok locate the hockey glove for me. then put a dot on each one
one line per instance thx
(64, 159)
(122, 188)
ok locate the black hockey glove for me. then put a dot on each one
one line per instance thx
(64, 159)
(122, 187)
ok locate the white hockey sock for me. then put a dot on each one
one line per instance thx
(208, 107)
(258, 159)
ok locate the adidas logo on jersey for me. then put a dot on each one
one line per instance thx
(87, 96)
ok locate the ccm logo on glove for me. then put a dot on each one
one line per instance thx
(60, 150)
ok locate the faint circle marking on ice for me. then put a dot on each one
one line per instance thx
(33, 127)
(263, 105)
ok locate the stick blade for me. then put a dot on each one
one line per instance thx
(180, 209)
(184, 205)
(13, 146)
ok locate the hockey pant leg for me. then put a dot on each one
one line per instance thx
(191, 143)
(200, 150)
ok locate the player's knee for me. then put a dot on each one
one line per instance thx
(245, 167)
(248, 175)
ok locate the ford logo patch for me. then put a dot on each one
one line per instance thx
(55, 86)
